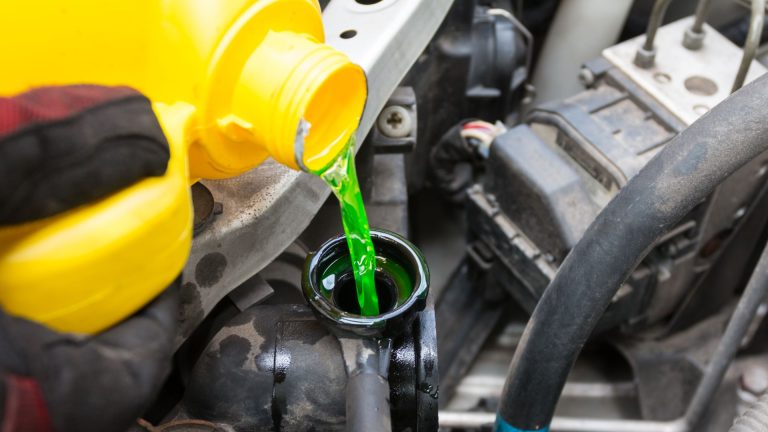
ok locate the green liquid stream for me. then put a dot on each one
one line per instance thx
(341, 176)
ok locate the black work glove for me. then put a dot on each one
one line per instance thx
(62, 147)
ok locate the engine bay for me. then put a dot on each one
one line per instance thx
(578, 185)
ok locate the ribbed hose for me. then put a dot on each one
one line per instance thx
(755, 419)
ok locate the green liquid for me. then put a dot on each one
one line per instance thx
(401, 279)
(342, 178)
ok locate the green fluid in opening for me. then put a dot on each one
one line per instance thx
(394, 284)
(341, 176)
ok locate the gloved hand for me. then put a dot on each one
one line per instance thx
(62, 147)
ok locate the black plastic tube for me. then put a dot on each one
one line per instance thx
(368, 403)
(671, 184)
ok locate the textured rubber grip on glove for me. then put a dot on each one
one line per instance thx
(62, 147)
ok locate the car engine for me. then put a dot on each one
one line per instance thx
(586, 181)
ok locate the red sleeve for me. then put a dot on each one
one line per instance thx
(50, 104)
(25, 409)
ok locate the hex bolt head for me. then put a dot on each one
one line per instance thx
(395, 122)
(586, 77)
(692, 40)
(645, 58)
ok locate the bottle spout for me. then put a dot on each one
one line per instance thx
(296, 99)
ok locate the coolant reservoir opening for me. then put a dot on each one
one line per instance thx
(401, 281)
(333, 114)
(345, 293)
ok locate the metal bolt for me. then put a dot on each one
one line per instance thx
(586, 77)
(645, 58)
(395, 122)
(754, 380)
(693, 40)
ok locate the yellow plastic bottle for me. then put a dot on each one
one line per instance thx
(230, 82)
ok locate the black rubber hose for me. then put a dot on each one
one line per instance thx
(671, 184)
(755, 419)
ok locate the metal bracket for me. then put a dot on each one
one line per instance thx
(688, 83)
